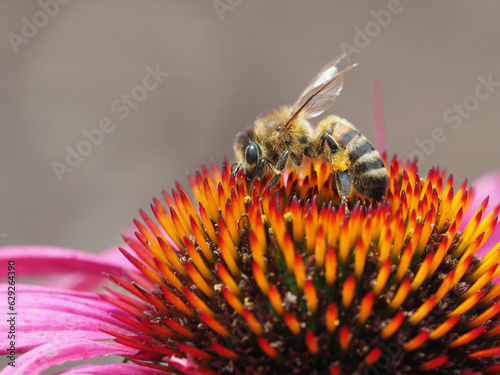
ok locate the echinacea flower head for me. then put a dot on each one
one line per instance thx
(248, 280)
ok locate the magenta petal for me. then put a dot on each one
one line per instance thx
(45, 314)
(487, 185)
(80, 281)
(61, 351)
(114, 368)
(187, 366)
(44, 260)
(74, 281)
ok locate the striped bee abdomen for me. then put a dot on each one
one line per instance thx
(366, 168)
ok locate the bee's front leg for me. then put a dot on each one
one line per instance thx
(279, 168)
(259, 169)
(235, 167)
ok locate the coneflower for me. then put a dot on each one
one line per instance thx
(289, 281)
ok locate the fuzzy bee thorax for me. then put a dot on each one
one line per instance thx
(277, 138)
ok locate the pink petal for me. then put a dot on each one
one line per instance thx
(83, 281)
(45, 314)
(487, 185)
(188, 367)
(114, 368)
(45, 260)
(74, 281)
(61, 351)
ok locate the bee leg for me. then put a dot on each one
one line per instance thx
(279, 167)
(342, 179)
(259, 169)
(343, 185)
(332, 144)
(235, 168)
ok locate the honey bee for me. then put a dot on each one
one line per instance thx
(280, 138)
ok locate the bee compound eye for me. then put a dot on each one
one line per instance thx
(251, 153)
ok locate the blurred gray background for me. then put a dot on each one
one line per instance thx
(67, 68)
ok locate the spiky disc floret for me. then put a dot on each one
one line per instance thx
(291, 282)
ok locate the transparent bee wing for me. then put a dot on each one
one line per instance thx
(321, 92)
(329, 71)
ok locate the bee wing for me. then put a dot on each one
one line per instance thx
(321, 92)
(329, 71)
